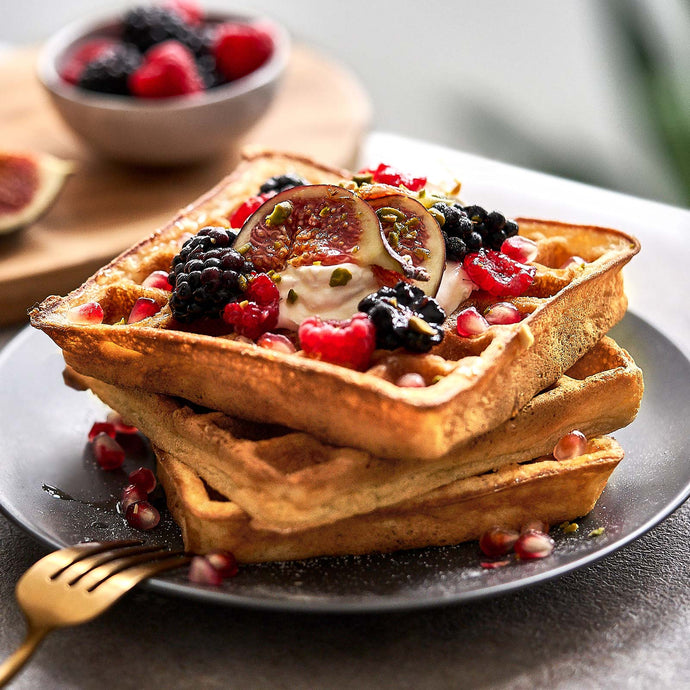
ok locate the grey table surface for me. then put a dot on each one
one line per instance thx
(622, 622)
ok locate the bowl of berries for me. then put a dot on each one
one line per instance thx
(164, 84)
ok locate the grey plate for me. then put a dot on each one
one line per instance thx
(43, 426)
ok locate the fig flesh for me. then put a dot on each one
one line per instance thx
(314, 224)
(413, 237)
(29, 183)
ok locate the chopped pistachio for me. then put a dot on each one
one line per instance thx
(363, 178)
(326, 210)
(571, 527)
(340, 276)
(292, 296)
(244, 248)
(596, 532)
(281, 212)
(436, 379)
(276, 278)
(437, 216)
(421, 326)
(390, 214)
(393, 239)
(421, 252)
(121, 322)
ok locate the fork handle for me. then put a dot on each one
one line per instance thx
(14, 664)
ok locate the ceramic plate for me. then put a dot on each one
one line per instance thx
(51, 486)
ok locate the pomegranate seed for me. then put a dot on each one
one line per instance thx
(502, 314)
(89, 313)
(201, 572)
(276, 342)
(471, 322)
(115, 419)
(102, 428)
(142, 515)
(158, 279)
(535, 525)
(572, 445)
(144, 479)
(492, 565)
(497, 541)
(574, 261)
(132, 493)
(108, 452)
(411, 380)
(520, 248)
(224, 562)
(142, 309)
(533, 544)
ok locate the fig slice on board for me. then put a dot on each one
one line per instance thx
(412, 236)
(29, 183)
(314, 224)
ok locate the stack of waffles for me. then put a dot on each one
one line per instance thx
(277, 455)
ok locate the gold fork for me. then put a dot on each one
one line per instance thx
(76, 584)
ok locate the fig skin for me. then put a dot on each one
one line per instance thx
(45, 176)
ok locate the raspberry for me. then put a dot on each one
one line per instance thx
(85, 53)
(348, 343)
(257, 313)
(168, 69)
(386, 174)
(190, 11)
(498, 274)
(240, 215)
(240, 49)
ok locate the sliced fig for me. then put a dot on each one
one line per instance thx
(412, 236)
(313, 224)
(29, 183)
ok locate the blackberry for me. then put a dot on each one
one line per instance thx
(110, 72)
(280, 183)
(404, 317)
(206, 275)
(468, 229)
(144, 26)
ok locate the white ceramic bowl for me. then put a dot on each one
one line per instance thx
(168, 131)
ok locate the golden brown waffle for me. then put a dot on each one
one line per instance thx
(288, 480)
(544, 490)
(473, 384)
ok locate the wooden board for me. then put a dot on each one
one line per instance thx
(321, 111)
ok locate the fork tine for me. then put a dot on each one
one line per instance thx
(120, 577)
(74, 571)
(55, 562)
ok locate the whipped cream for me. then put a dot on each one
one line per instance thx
(313, 296)
(455, 287)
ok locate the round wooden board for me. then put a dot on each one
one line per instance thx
(321, 111)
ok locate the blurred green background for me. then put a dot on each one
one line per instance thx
(592, 90)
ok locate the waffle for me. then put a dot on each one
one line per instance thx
(473, 384)
(544, 490)
(288, 480)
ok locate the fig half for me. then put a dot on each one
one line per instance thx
(413, 238)
(29, 183)
(314, 224)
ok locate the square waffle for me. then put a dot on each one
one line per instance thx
(473, 384)
(544, 490)
(286, 480)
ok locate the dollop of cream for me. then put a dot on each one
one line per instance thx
(313, 296)
(455, 287)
